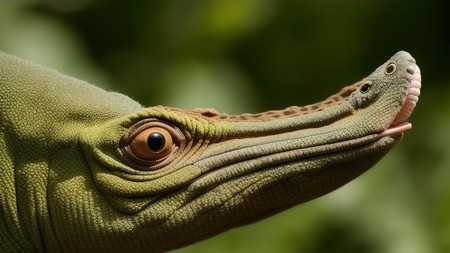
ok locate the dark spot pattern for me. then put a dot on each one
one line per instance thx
(334, 100)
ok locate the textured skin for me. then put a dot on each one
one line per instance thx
(72, 181)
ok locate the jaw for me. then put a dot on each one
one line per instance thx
(250, 156)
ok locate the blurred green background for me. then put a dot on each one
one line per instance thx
(254, 55)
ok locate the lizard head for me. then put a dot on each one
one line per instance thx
(116, 176)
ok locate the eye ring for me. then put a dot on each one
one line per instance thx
(390, 68)
(365, 87)
(152, 144)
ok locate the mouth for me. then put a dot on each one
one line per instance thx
(400, 123)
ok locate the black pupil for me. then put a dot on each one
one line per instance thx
(390, 69)
(155, 142)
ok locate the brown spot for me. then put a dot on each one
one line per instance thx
(290, 112)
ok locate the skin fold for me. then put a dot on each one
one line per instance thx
(86, 170)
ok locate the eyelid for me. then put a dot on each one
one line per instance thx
(178, 139)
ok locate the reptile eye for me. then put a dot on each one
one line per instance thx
(365, 87)
(152, 144)
(390, 68)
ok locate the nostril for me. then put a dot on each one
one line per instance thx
(411, 70)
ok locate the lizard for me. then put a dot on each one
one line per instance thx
(89, 170)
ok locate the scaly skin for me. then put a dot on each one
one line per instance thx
(85, 170)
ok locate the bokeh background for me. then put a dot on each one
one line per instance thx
(254, 55)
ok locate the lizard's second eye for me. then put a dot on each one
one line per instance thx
(390, 68)
(152, 144)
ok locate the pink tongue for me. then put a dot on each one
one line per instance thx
(397, 129)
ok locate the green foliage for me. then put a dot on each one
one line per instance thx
(255, 55)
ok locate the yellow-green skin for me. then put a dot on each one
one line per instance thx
(68, 183)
